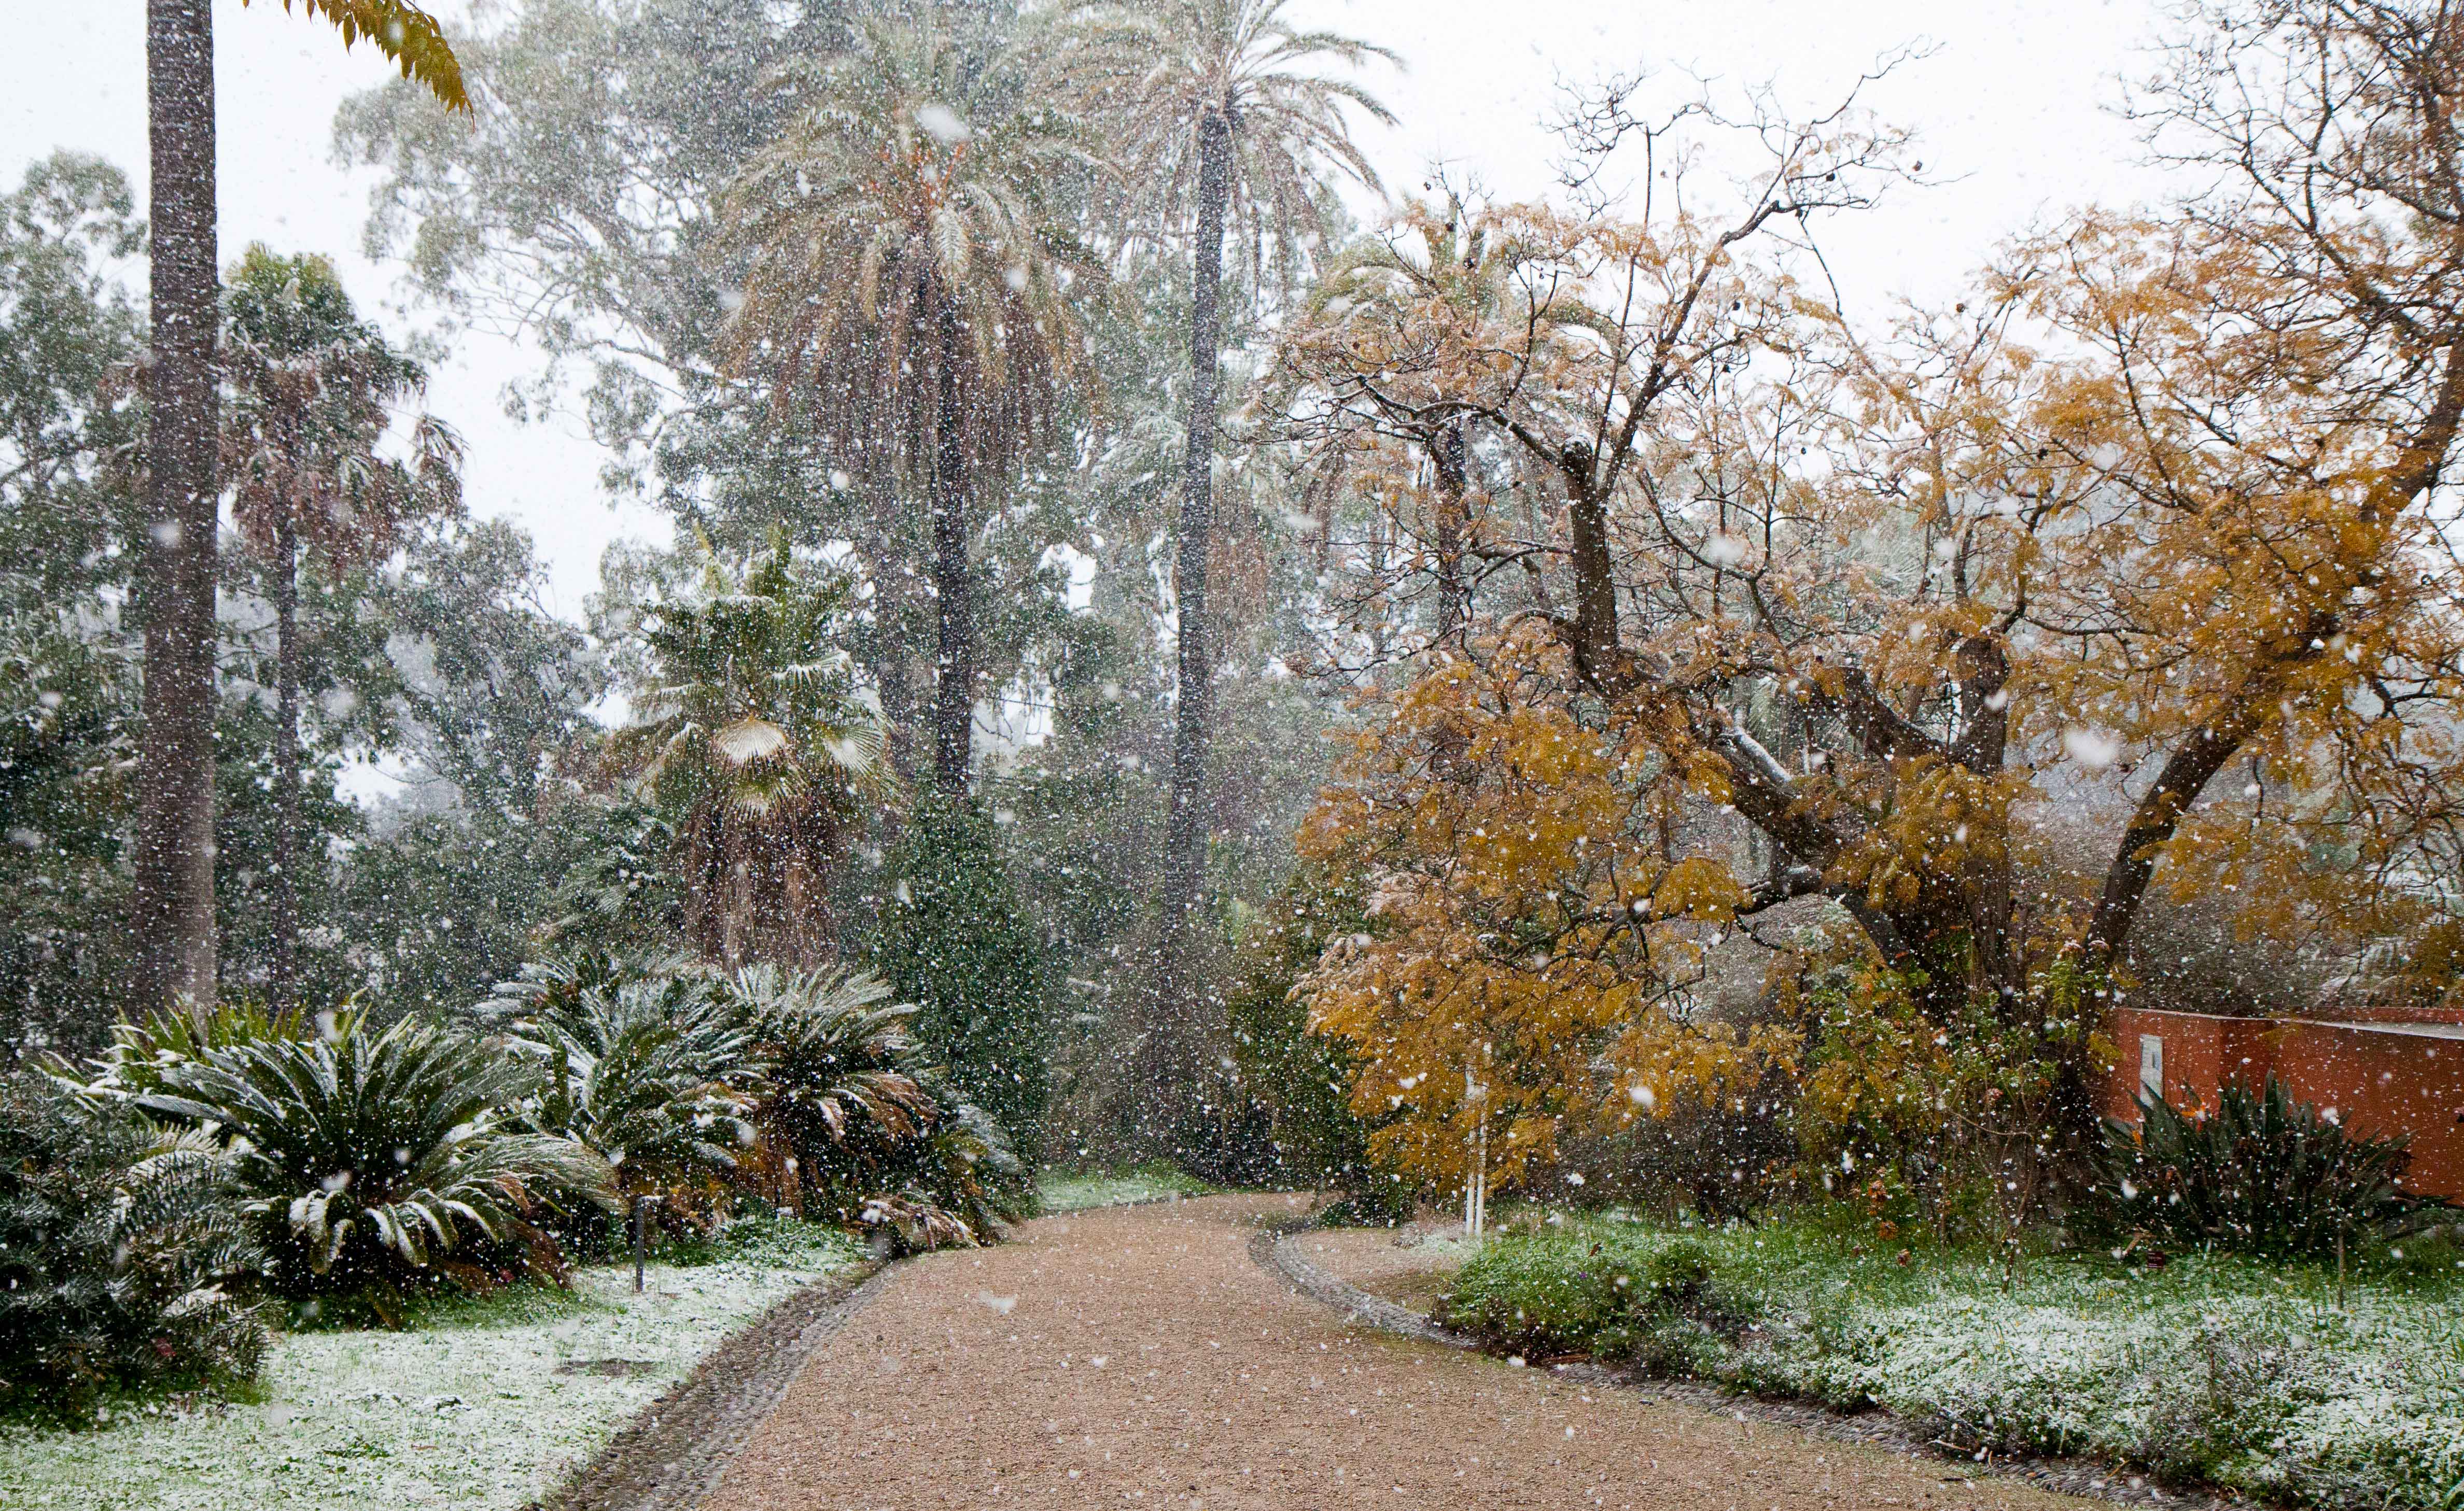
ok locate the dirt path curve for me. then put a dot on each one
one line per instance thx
(1138, 1357)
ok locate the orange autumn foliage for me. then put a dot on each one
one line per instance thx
(1524, 925)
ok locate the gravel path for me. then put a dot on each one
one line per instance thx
(1139, 1357)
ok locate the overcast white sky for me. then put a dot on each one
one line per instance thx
(2011, 107)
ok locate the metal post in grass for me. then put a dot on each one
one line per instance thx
(639, 1202)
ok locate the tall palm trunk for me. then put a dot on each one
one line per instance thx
(174, 903)
(954, 690)
(1171, 1058)
(284, 993)
(890, 651)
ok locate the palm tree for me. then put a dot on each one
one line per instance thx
(755, 748)
(312, 396)
(1219, 104)
(1386, 294)
(909, 281)
(174, 860)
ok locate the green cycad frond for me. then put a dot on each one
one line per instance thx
(141, 1051)
(365, 1158)
(651, 1074)
(403, 32)
(837, 1058)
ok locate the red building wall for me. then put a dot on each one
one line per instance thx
(2379, 1077)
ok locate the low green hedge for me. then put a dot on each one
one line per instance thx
(2226, 1369)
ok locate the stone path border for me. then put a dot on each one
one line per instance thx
(1277, 1251)
(669, 1457)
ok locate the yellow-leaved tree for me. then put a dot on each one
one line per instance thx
(2132, 569)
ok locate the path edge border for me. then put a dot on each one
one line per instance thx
(1276, 1250)
(671, 1453)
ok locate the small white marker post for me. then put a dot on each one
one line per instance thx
(1475, 1187)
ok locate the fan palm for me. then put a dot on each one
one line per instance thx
(311, 395)
(1221, 102)
(174, 865)
(909, 279)
(368, 1159)
(755, 748)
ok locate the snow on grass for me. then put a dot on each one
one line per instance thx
(481, 1407)
(2245, 1374)
(1078, 1190)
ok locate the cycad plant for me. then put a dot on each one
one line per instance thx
(1224, 108)
(143, 1050)
(953, 1186)
(651, 1074)
(755, 748)
(876, 1132)
(377, 1163)
(121, 1249)
(842, 1080)
(907, 283)
(2260, 1173)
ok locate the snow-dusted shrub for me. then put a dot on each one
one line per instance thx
(1610, 1292)
(375, 1164)
(117, 1246)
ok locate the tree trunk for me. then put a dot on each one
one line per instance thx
(2202, 753)
(889, 648)
(1454, 527)
(174, 860)
(1595, 606)
(284, 991)
(1170, 1060)
(953, 687)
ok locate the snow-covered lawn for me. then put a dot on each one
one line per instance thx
(486, 1408)
(1078, 1192)
(2246, 1374)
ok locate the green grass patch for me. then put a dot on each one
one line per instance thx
(1077, 1191)
(2231, 1370)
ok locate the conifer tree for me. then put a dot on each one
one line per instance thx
(955, 942)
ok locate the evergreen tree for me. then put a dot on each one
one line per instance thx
(955, 942)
